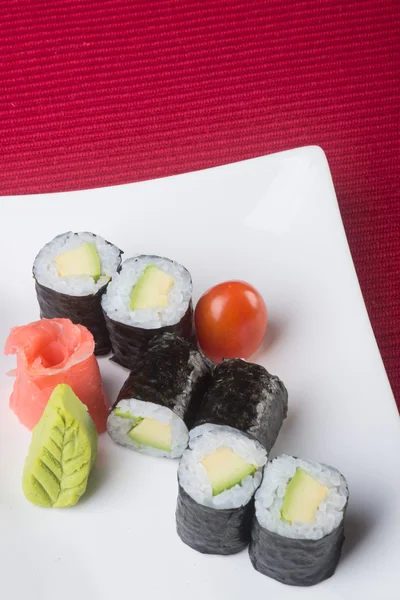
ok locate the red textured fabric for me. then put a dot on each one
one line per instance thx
(98, 93)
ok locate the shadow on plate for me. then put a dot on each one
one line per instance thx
(284, 443)
(97, 477)
(357, 528)
(275, 331)
(110, 387)
(112, 381)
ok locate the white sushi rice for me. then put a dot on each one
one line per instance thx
(193, 476)
(119, 427)
(116, 301)
(269, 498)
(46, 271)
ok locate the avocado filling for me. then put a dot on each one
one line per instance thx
(127, 415)
(151, 290)
(302, 498)
(225, 469)
(80, 261)
(149, 432)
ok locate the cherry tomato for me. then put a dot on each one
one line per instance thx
(231, 320)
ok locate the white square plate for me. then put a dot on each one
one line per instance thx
(273, 221)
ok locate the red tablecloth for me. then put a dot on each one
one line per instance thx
(96, 93)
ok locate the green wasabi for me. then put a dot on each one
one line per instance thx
(62, 452)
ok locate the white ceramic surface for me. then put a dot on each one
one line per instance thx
(273, 221)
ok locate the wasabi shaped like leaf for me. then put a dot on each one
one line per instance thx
(62, 452)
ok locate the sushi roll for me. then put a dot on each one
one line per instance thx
(218, 474)
(151, 295)
(71, 274)
(158, 402)
(298, 527)
(244, 397)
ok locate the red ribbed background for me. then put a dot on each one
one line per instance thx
(107, 92)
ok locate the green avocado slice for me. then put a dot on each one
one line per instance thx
(226, 469)
(125, 414)
(302, 498)
(83, 260)
(151, 290)
(150, 432)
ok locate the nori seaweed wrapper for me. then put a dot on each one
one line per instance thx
(293, 561)
(246, 397)
(211, 530)
(172, 373)
(129, 342)
(81, 310)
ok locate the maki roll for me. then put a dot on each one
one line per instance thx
(298, 527)
(71, 274)
(218, 474)
(151, 295)
(158, 402)
(244, 397)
